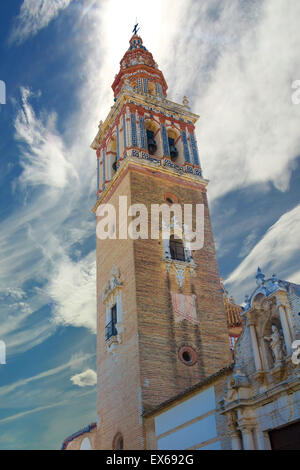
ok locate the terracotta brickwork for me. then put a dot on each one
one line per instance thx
(118, 372)
(163, 375)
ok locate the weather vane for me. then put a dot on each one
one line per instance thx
(136, 28)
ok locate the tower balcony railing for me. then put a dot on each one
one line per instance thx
(191, 169)
(110, 330)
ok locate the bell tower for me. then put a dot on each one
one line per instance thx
(161, 322)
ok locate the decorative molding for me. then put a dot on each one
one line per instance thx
(114, 283)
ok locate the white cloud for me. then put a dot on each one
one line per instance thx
(277, 252)
(73, 289)
(87, 378)
(35, 15)
(248, 244)
(237, 61)
(44, 158)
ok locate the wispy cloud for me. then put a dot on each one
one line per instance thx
(76, 361)
(44, 157)
(237, 61)
(277, 252)
(38, 409)
(88, 378)
(35, 15)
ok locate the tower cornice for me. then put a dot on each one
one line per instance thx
(154, 169)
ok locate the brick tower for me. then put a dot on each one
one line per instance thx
(161, 321)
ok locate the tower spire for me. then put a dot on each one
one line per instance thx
(139, 67)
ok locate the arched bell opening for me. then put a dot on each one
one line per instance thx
(172, 139)
(152, 132)
(177, 250)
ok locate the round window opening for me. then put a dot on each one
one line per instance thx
(188, 356)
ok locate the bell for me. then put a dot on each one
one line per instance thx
(173, 152)
(114, 166)
(152, 146)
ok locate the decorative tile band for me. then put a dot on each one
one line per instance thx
(166, 163)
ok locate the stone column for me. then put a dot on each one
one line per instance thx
(248, 441)
(236, 441)
(134, 136)
(286, 330)
(98, 173)
(166, 150)
(143, 135)
(256, 353)
(194, 147)
(261, 442)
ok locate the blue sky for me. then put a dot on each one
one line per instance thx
(236, 63)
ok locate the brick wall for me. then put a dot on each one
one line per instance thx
(163, 375)
(146, 370)
(119, 373)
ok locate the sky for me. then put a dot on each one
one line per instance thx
(236, 61)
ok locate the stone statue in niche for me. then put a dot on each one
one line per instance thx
(275, 344)
(232, 392)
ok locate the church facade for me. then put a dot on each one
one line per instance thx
(166, 329)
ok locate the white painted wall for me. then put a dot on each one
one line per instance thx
(191, 433)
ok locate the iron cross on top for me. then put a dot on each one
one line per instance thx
(136, 28)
